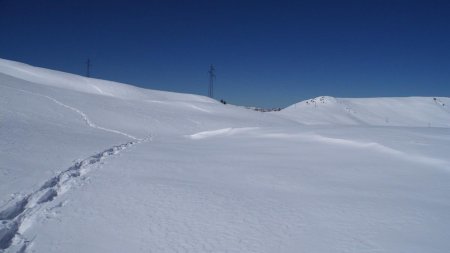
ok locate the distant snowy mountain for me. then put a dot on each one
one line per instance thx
(88, 165)
(406, 111)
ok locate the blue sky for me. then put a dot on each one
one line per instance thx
(267, 53)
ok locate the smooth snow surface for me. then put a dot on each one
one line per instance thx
(89, 165)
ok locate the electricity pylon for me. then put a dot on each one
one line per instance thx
(212, 76)
(88, 67)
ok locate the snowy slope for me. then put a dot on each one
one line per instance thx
(89, 165)
(409, 111)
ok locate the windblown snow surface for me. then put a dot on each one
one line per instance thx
(88, 165)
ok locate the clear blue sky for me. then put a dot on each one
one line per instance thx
(267, 53)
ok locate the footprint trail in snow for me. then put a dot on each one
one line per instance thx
(15, 214)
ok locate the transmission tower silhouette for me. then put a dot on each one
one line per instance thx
(88, 67)
(212, 76)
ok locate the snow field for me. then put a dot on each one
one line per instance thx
(89, 165)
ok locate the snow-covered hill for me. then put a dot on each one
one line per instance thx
(405, 111)
(88, 165)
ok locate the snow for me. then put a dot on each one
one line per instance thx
(88, 165)
(409, 111)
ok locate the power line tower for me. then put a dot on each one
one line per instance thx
(88, 67)
(212, 76)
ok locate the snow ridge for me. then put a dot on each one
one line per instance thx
(14, 218)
